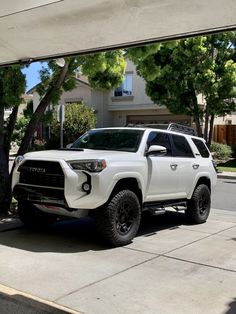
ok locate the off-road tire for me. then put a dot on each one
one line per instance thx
(118, 221)
(198, 207)
(33, 218)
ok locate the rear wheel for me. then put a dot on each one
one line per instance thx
(198, 208)
(34, 218)
(118, 222)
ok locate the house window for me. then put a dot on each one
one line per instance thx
(125, 89)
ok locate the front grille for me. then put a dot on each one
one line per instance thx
(41, 173)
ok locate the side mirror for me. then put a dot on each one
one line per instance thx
(157, 150)
(69, 145)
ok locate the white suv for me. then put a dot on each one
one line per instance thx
(114, 174)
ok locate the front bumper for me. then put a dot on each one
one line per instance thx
(71, 196)
(39, 195)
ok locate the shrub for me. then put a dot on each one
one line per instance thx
(19, 131)
(38, 145)
(79, 118)
(221, 151)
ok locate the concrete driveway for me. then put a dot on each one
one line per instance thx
(171, 267)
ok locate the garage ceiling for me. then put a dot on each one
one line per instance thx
(33, 30)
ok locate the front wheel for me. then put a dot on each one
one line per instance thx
(118, 222)
(34, 218)
(198, 207)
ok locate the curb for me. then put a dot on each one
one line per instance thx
(225, 176)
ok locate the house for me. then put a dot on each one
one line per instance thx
(127, 104)
(229, 119)
(25, 99)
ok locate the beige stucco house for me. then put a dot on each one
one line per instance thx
(127, 104)
(228, 119)
(25, 99)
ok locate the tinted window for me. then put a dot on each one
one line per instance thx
(181, 146)
(159, 138)
(201, 147)
(110, 139)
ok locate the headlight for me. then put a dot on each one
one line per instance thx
(19, 159)
(92, 165)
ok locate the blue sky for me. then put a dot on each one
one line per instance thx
(32, 74)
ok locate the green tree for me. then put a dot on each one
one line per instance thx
(12, 86)
(104, 70)
(100, 68)
(23, 121)
(78, 119)
(177, 72)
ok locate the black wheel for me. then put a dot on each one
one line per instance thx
(34, 218)
(119, 221)
(198, 208)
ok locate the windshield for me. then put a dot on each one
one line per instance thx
(110, 139)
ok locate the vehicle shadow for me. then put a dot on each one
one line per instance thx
(17, 303)
(150, 224)
(67, 236)
(73, 236)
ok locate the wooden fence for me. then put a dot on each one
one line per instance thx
(225, 134)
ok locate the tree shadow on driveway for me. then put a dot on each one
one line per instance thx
(232, 307)
(18, 303)
(73, 236)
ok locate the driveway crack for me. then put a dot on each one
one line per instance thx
(105, 278)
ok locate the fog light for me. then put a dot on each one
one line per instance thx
(86, 187)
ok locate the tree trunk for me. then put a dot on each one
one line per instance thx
(10, 128)
(211, 130)
(196, 111)
(206, 124)
(198, 126)
(46, 100)
(5, 188)
(4, 169)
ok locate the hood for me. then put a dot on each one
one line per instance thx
(69, 154)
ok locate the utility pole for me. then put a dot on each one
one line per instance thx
(61, 120)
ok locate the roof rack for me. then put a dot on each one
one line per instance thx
(175, 127)
(149, 125)
(181, 128)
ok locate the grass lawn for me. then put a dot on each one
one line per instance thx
(229, 166)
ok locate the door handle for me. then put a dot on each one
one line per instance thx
(173, 166)
(195, 166)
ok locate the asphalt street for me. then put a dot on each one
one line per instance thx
(224, 195)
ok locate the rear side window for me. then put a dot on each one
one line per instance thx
(201, 146)
(160, 138)
(181, 146)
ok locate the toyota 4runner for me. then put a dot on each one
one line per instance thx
(114, 174)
